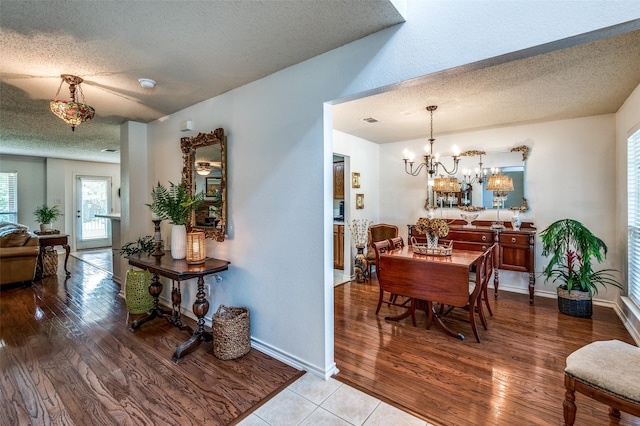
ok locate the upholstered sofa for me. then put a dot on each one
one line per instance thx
(18, 253)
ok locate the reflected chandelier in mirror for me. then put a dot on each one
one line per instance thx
(204, 159)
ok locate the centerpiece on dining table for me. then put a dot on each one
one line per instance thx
(433, 229)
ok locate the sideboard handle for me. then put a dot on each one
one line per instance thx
(484, 238)
(513, 240)
(484, 248)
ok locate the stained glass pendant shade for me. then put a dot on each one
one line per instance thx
(72, 112)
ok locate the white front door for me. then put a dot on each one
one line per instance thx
(93, 196)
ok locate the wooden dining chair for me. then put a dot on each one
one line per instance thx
(477, 281)
(397, 242)
(376, 233)
(380, 247)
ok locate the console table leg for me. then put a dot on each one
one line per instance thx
(200, 308)
(496, 283)
(155, 289)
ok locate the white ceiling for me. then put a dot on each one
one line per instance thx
(194, 50)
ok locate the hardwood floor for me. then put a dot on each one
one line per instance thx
(67, 357)
(514, 377)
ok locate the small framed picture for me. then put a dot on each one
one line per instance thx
(212, 185)
(359, 201)
(355, 180)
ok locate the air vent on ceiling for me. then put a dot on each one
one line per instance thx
(370, 120)
(109, 150)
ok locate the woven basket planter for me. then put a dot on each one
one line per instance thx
(136, 291)
(577, 303)
(231, 332)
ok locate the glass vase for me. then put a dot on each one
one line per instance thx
(432, 241)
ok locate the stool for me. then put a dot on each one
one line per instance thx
(607, 371)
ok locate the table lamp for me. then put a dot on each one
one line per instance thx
(500, 185)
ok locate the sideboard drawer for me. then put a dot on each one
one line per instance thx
(515, 239)
(475, 236)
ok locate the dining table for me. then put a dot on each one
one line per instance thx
(428, 279)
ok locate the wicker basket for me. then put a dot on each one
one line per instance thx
(136, 291)
(576, 304)
(231, 332)
(49, 263)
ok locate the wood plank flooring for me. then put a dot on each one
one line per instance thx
(67, 357)
(513, 377)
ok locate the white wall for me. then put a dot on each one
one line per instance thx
(280, 154)
(560, 183)
(31, 185)
(60, 181)
(627, 122)
(51, 180)
(363, 157)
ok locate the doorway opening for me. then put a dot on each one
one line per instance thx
(93, 197)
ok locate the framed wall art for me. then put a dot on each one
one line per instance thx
(355, 180)
(212, 185)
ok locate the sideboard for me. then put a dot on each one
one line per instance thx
(516, 249)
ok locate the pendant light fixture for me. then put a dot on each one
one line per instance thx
(72, 112)
(431, 159)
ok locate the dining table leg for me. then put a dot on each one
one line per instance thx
(438, 319)
(411, 311)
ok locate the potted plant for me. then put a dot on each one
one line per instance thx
(144, 244)
(46, 215)
(175, 204)
(572, 247)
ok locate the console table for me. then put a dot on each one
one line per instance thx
(516, 249)
(177, 270)
(52, 239)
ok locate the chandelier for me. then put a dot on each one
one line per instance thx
(480, 173)
(72, 112)
(431, 159)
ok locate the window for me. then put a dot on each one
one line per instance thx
(9, 197)
(633, 179)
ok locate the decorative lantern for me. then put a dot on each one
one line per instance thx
(196, 250)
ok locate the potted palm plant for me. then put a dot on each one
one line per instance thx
(46, 215)
(572, 248)
(175, 204)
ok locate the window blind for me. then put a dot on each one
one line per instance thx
(9, 197)
(633, 179)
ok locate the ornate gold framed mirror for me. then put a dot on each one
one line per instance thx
(204, 159)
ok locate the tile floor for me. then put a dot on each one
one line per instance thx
(313, 401)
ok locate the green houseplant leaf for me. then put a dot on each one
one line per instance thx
(174, 204)
(572, 246)
(45, 214)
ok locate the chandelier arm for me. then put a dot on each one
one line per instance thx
(411, 171)
(453, 172)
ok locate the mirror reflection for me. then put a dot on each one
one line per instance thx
(204, 170)
(471, 188)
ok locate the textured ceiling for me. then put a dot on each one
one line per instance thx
(194, 50)
(583, 80)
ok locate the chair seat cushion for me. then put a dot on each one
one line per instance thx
(611, 366)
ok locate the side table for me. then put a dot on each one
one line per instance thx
(178, 270)
(52, 240)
